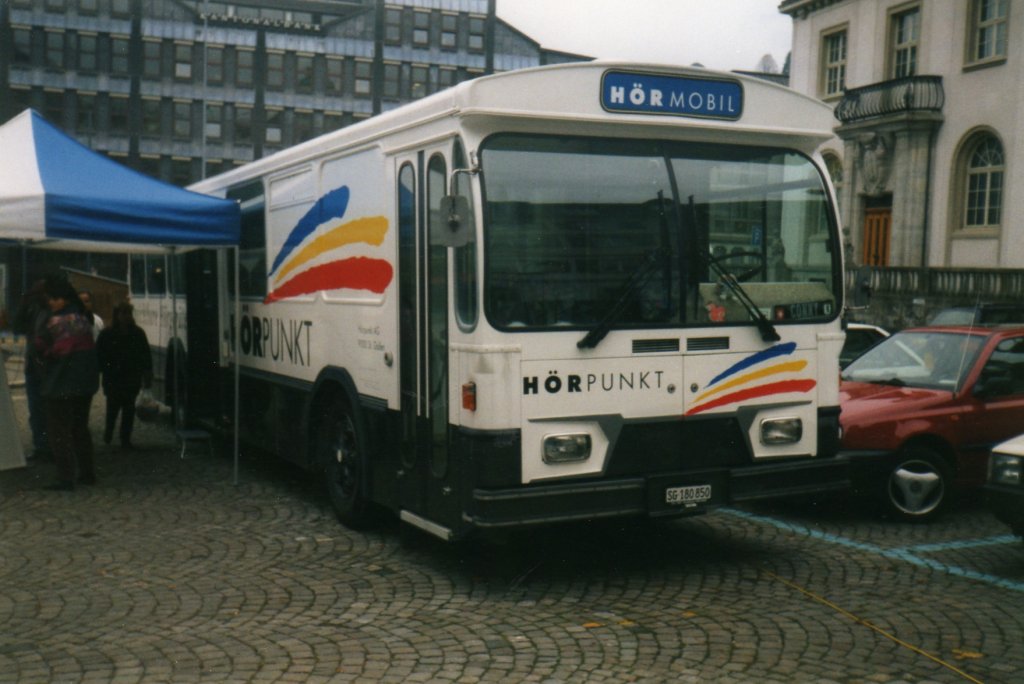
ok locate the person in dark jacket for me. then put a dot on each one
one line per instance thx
(70, 379)
(127, 367)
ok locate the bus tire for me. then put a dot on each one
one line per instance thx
(917, 485)
(342, 450)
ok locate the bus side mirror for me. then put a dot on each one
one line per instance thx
(456, 224)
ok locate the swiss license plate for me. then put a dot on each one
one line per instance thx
(687, 496)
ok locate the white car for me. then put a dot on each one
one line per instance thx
(1004, 491)
(859, 338)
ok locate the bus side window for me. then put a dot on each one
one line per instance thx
(138, 275)
(465, 256)
(156, 275)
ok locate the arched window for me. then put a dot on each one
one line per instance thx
(983, 198)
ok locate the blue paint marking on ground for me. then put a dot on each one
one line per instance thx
(908, 554)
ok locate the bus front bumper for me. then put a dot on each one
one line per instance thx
(649, 496)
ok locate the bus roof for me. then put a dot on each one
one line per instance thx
(574, 93)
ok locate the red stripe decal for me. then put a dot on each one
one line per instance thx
(355, 273)
(754, 392)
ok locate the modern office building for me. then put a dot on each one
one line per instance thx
(183, 89)
(928, 141)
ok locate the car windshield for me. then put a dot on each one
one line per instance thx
(937, 360)
(586, 232)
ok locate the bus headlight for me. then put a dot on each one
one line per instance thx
(1005, 469)
(566, 448)
(775, 431)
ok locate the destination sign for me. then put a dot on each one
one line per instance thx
(643, 93)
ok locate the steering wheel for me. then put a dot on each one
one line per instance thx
(744, 275)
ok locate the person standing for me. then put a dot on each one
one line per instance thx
(70, 379)
(85, 296)
(30, 321)
(127, 367)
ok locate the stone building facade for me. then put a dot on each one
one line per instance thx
(928, 140)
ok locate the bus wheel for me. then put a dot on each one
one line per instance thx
(344, 462)
(917, 485)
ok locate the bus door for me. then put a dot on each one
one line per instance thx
(426, 483)
(202, 334)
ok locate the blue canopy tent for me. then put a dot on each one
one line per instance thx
(57, 193)
(52, 189)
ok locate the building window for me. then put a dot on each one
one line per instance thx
(476, 34)
(243, 125)
(302, 126)
(214, 65)
(833, 72)
(392, 80)
(906, 32)
(988, 30)
(275, 126)
(53, 107)
(214, 128)
(55, 50)
(118, 115)
(87, 52)
(393, 26)
(181, 171)
(421, 29)
(58, 6)
(151, 117)
(85, 113)
(445, 78)
(183, 61)
(119, 63)
(984, 189)
(449, 31)
(275, 71)
(364, 71)
(88, 6)
(245, 61)
(333, 122)
(335, 72)
(304, 73)
(151, 60)
(121, 9)
(182, 120)
(420, 81)
(22, 46)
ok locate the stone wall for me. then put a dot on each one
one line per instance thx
(898, 298)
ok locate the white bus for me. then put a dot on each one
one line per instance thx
(562, 293)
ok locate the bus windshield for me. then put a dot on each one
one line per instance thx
(660, 233)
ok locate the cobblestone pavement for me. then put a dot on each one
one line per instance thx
(166, 571)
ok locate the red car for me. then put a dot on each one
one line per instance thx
(923, 408)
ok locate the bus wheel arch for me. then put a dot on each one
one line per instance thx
(340, 448)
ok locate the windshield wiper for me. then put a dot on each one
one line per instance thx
(732, 284)
(637, 280)
(894, 381)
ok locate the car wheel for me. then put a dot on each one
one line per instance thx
(917, 485)
(341, 451)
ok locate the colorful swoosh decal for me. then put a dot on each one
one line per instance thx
(370, 230)
(331, 205)
(782, 387)
(739, 386)
(293, 273)
(355, 273)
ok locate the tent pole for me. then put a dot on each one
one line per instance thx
(235, 355)
(169, 264)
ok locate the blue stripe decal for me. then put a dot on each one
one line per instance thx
(754, 359)
(907, 554)
(331, 205)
